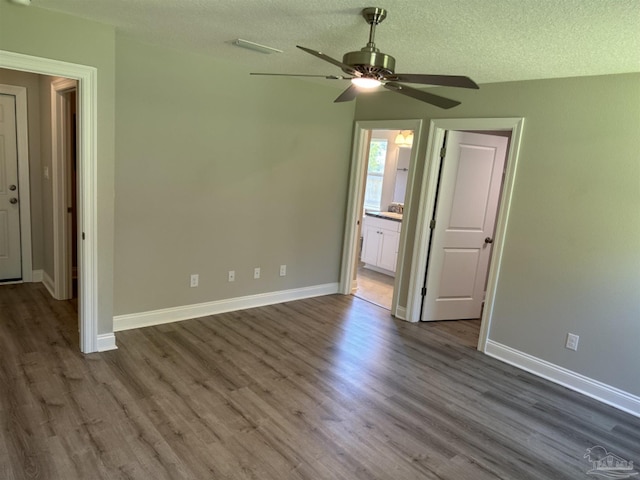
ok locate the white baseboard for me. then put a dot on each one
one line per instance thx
(401, 313)
(592, 388)
(48, 283)
(36, 276)
(384, 271)
(106, 341)
(167, 315)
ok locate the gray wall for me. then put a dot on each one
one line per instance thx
(32, 83)
(33, 31)
(571, 260)
(216, 171)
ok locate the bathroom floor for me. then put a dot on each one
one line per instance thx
(374, 287)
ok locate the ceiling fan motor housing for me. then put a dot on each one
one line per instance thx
(371, 63)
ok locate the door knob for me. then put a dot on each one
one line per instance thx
(488, 240)
(12, 187)
(13, 200)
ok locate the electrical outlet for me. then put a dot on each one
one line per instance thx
(283, 270)
(572, 341)
(232, 275)
(256, 273)
(194, 280)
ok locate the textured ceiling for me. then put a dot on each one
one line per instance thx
(488, 40)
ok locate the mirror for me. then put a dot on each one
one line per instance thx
(402, 174)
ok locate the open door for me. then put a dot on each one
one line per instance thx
(463, 225)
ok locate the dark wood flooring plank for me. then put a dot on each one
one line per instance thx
(324, 388)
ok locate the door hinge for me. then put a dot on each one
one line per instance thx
(83, 235)
(432, 224)
(424, 291)
(443, 152)
(69, 210)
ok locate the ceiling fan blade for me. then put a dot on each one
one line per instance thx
(443, 80)
(328, 77)
(436, 100)
(348, 95)
(327, 58)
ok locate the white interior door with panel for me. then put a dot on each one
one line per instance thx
(465, 215)
(10, 248)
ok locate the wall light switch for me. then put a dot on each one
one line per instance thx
(232, 275)
(256, 273)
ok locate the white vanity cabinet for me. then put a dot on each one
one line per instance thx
(381, 238)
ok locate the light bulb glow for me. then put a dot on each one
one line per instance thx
(409, 139)
(362, 82)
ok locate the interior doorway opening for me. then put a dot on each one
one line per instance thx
(383, 158)
(387, 161)
(434, 179)
(87, 100)
(64, 180)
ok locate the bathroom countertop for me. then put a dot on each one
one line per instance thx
(396, 217)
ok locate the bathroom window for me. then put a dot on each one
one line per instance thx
(375, 173)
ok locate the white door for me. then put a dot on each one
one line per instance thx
(465, 216)
(10, 251)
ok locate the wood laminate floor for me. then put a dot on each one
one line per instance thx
(324, 388)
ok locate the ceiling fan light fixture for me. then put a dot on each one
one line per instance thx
(369, 68)
(367, 83)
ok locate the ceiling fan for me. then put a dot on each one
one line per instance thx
(369, 68)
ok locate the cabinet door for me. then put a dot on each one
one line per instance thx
(388, 250)
(370, 244)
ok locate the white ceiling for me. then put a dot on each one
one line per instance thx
(488, 40)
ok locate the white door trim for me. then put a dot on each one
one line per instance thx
(356, 191)
(87, 196)
(60, 184)
(428, 189)
(24, 182)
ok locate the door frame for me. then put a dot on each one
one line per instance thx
(22, 133)
(428, 189)
(355, 195)
(87, 99)
(62, 288)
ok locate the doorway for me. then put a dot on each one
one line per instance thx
(426, 230)
(388, 161)
(64, 182)
(88, 294)
(380, 187)
(463, 221)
